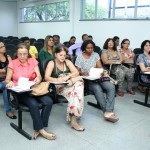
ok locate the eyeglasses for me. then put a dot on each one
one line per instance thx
(22, 54)
(2, 46)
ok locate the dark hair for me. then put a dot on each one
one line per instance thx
(105, 46)
(46, 42)
(21, 46)
(90, 36)
(115, 38)
(123, 41)
(56, 36)
(85, 43)
(60, 48)
(144, 43)
(5, 47)
(84, 35)
(72, 37)
(25, 39)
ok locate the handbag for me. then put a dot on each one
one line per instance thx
(74, 80)
(40, 89)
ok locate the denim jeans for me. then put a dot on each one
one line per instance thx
(98, 88)
(39, 120)
(5, 98)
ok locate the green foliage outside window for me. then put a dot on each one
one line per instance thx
(48, 12)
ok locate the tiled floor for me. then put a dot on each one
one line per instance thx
(131, 132)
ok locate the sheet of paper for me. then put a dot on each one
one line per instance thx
(19, 89)
(23, 85)
(147, 72)
(95, 73)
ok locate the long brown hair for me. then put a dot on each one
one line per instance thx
(46, 42)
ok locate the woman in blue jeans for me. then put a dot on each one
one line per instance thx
(4, 60)
(89, 59)
(24, 66)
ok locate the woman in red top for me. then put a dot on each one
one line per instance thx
(23, 66)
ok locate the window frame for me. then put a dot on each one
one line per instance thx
(113, 2)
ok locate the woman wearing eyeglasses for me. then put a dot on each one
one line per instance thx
(128, 61)
(4, 60)
(23, 66)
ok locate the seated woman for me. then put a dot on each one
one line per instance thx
(111, 56)
(89, 59)
(47, 51)
(23, 66)
(4, 60)
(128, 61)
(144, 60)
(60, 70)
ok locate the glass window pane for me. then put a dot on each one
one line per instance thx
(124, 8)
(143, 9)
(104, 9)
(51, 12)
(89, 9)
(62, 11)
(47, 12)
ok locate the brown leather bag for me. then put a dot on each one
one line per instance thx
(74, 80)
(40, 89)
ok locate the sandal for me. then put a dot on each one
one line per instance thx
(141, 89)
(36, 134)
(50, 136)
(131, 92)
(121, 94)
(112, 118)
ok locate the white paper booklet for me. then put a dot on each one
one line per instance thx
(95, 73)
(23, 85)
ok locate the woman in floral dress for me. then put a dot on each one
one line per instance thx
(60, 70)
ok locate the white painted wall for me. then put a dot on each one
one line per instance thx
(136, 31)
(8, 19)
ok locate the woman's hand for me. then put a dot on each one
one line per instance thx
(60, 79)
(69, 83)
(37, 80)
(10, 84)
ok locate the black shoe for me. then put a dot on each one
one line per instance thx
(11, 117)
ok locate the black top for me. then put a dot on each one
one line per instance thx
(4, 64)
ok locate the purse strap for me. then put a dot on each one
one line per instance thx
(55, 68)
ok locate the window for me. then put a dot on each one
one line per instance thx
(115, 9)
(47, 12)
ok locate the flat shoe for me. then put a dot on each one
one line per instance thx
(79, 129)
(11, 117)
(112, 118)
(131, 92)
(121, 94)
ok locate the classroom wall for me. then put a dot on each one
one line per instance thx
(8, 19)
(136, 31)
